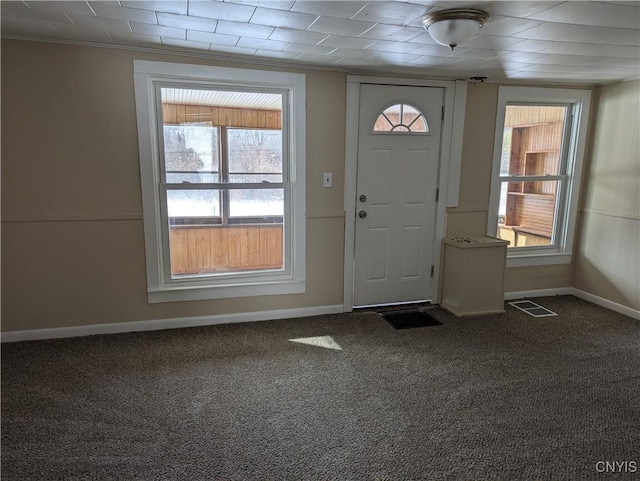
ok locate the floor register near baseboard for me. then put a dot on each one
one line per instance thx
(532, 308)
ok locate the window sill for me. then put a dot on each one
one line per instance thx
(530, 260)
(192, 293)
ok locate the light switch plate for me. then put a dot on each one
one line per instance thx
(327, 179)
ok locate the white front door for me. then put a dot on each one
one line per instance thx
(396, 193)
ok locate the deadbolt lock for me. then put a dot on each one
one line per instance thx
(363, 198)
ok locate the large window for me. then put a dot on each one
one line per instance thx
(540, 137)
(222, 164)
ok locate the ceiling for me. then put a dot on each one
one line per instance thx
(587, 42)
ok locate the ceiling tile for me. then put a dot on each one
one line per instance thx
(517, 9)
(545, 46)
(221, 10)
(81, 8)
(233, 50)
(5, 15)
(282, 18)
(274, 54)
(554, 68)
(213, 38)
(142, 40)
(20, 27)
(357, 62)
(159, 31)
(352, 53)
(493, 42)
(428, 60)
(395, 47)
(507, 26)
(509, 65)
(167, 6)
(188, 22)
(550, 41)
(580, 33)
(297, 36)
(585, 60)
(522, 57)
(21, 10)
(340, 26)
(476, 53)
(84, 21)
(69, 32)
(276, 4)
(339, 9)
(175, 42)
(448, 3)
(391, 12)
(396, 58)
(434, 50)
(261, 43)
(346, 42)
(621, 51)
(316, 59)
(593, 13)
(397, 34)
(103, 10)
(244, 29)
(312, 49)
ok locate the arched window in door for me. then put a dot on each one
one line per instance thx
(401, 118)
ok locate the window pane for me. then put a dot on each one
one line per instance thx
(409, 114)
(257, 178)
(401, 118)
(256, 152)
(532, 140)
(193, 203)
(191, 153)
(256, 202)
(527, 213)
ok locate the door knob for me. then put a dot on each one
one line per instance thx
(362, 214)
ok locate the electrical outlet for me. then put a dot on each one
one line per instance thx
(327, 179)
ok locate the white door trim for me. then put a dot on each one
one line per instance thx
(448, 174)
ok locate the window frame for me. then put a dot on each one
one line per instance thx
(572, 158)
(149, 77)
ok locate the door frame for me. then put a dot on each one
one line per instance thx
(455, 96)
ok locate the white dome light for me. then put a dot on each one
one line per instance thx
(455, 26)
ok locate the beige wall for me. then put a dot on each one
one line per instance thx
(608, 253)
(72, 235)
(470, 217)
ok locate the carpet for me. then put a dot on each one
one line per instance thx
(498, 397)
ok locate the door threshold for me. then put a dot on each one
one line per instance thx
(393, 304)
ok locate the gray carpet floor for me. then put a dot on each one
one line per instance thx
(488, 397)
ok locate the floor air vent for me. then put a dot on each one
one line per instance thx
(533, 309)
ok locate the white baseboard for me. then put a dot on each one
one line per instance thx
(561, 291)
(154, 325)
(601, 301)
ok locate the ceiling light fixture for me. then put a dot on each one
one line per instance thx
(454, 26)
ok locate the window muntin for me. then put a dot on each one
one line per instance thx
(401, 118)
(552, 175)
(279, 271)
